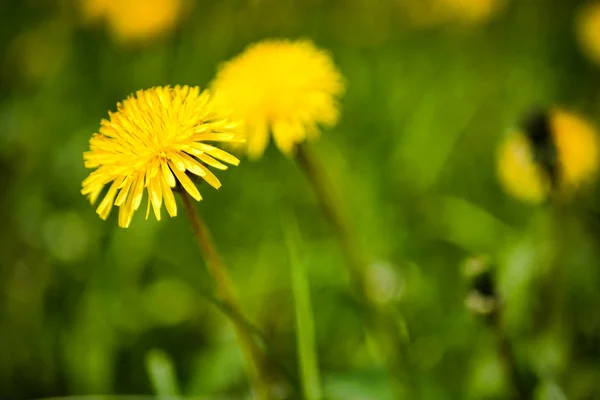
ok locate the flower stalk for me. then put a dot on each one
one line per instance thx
(380, 323)
(253, 357)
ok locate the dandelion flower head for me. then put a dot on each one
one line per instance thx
(574, 163)
(152, 142)
(427, 13)
(282, 87)
(577, 143)
(520, 176)
(40, 52)
(588, 30)
(472, 11)
(135, 20)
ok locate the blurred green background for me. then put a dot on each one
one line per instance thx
(83, 303)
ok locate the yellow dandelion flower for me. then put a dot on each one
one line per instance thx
(577, 143)
(472, 11)
(427, 13)
(280, 86)
(94, 9)
(588, 30)
(135, 20)
(153, 140)
(518, 172)
(422, 14)
(39, 53)
(555, 153)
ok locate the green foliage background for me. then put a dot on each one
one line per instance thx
(83, 302)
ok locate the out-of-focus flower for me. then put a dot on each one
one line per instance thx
(95, 9)
(588, 30)
(483, 297)
(556, 152)
(135, 20)
(472, 11)
(39, 53)
(280, 86)
(518, 172)
(153, 140)
(577, 143)
(421, 14)
(384, 283)
(425, 13)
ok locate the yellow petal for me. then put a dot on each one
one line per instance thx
(208, 160)
(124, 191)
(186, 182)
(138, 190)
(286, 135)
(170, 203)
(168, 175)
(218, 137)
(155, 195)
(94, 195)
(219, 154)
(106, 205)
(126, 213)
(258, 139)
(205, 173)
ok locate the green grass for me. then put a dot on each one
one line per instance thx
(82, 302)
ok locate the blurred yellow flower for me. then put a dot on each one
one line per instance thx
(135, 20)
(573, 143)
(95, 9)
(472, 11)
(518, 173)
(588, 30)
(577, 143)
(280, 86)
(151, 142)
(39, 53)
(426, 13)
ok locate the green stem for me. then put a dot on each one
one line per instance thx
(381, 323)
(253, 357)
(310, 165)
(272, 358)
(519, 390)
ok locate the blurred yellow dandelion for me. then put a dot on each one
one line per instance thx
(472, 11)
(426, 13)
(518, 173)
(153, 140)
(280, 86)
(557, 155)
(39, 53)
(588, 30)
(95, 9)
(576, 141)
(135, 20)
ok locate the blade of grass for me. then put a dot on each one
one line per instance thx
(161, 373)
(305, 331)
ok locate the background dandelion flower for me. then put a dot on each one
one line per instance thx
(588, 30)
(431, 13)
(518, 173)
(151, 142)
(472, 11)
(577, 143)
(280, 86)
(135, 20)
(557, 151)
